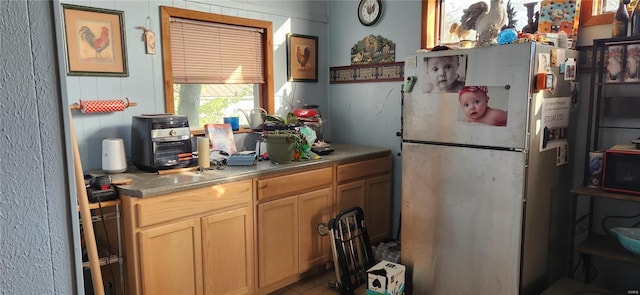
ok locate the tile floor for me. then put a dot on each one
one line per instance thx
(318, 284)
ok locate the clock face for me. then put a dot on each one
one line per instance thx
(369, 11)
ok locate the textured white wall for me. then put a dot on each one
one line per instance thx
(369, 113)
(36, 255)
(35, 247)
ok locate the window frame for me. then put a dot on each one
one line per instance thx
(266, 90)
(588, 19)
(430, 22)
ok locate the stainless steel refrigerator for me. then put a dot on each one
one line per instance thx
(478, 195)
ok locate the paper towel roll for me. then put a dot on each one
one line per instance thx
(203, 152)
(113, 157)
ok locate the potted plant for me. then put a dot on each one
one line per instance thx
(282, 145)
(284, 141)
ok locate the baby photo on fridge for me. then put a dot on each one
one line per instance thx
(483, 105)
(444, 73)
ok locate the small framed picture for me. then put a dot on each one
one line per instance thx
(614, 63)
(632, 63)
(95, 41)
(585, 58)
(302, 58)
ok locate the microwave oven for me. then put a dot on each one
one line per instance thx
(621, 171)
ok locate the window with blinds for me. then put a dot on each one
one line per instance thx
(215, 65)
(211, 53)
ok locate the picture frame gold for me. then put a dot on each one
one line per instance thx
(95, 41)
(302, 58)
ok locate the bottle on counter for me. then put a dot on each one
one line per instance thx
(620, 20)
(635, 20)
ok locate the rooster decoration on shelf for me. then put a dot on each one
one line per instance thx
(98, 44)
(486, 21)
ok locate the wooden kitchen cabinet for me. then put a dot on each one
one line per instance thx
(378, 206)
(350, 194)
(277, 240)
(314, 208)
(367, 184)
(289, 209)
(170, 258)
(228, 241)
(198, 241)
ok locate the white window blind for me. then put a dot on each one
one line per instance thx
(210, 53)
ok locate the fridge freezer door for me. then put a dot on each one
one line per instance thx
(438, 117)
(462, 212)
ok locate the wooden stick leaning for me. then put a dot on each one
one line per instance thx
(85, 214)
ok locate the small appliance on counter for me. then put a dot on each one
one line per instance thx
(160, 141)
(113, 156)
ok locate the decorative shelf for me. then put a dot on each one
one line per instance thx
(608, 247)
(599, 193)
(383, 72)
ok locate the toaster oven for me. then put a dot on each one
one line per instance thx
(160, 141)
(621, 172)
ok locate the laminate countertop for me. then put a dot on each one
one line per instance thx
(147, 184)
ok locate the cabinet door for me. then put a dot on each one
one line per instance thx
(227, 251)
(378, 207)
(170, 259)
(315, 208)
(350, 195)
(277, 240)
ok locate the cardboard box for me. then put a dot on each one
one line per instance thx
(385, 278)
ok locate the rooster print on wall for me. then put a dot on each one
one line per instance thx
(302, 56)
(94, 45)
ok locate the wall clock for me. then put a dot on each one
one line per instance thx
(369, 12)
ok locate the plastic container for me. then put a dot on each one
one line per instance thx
(233, 121)
(629, 238)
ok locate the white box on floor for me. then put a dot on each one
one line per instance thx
(385, 278)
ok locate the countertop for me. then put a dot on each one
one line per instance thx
(146, 184)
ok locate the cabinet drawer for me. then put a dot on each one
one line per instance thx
(294, 183)
(361, 169)
(192, 202)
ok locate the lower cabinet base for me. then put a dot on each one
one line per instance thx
(327, 267)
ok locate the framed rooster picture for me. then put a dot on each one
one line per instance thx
(95, 41)
(302, 58)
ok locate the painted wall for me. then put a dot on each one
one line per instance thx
(144, 85)
(35, 236)
(369, 113)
